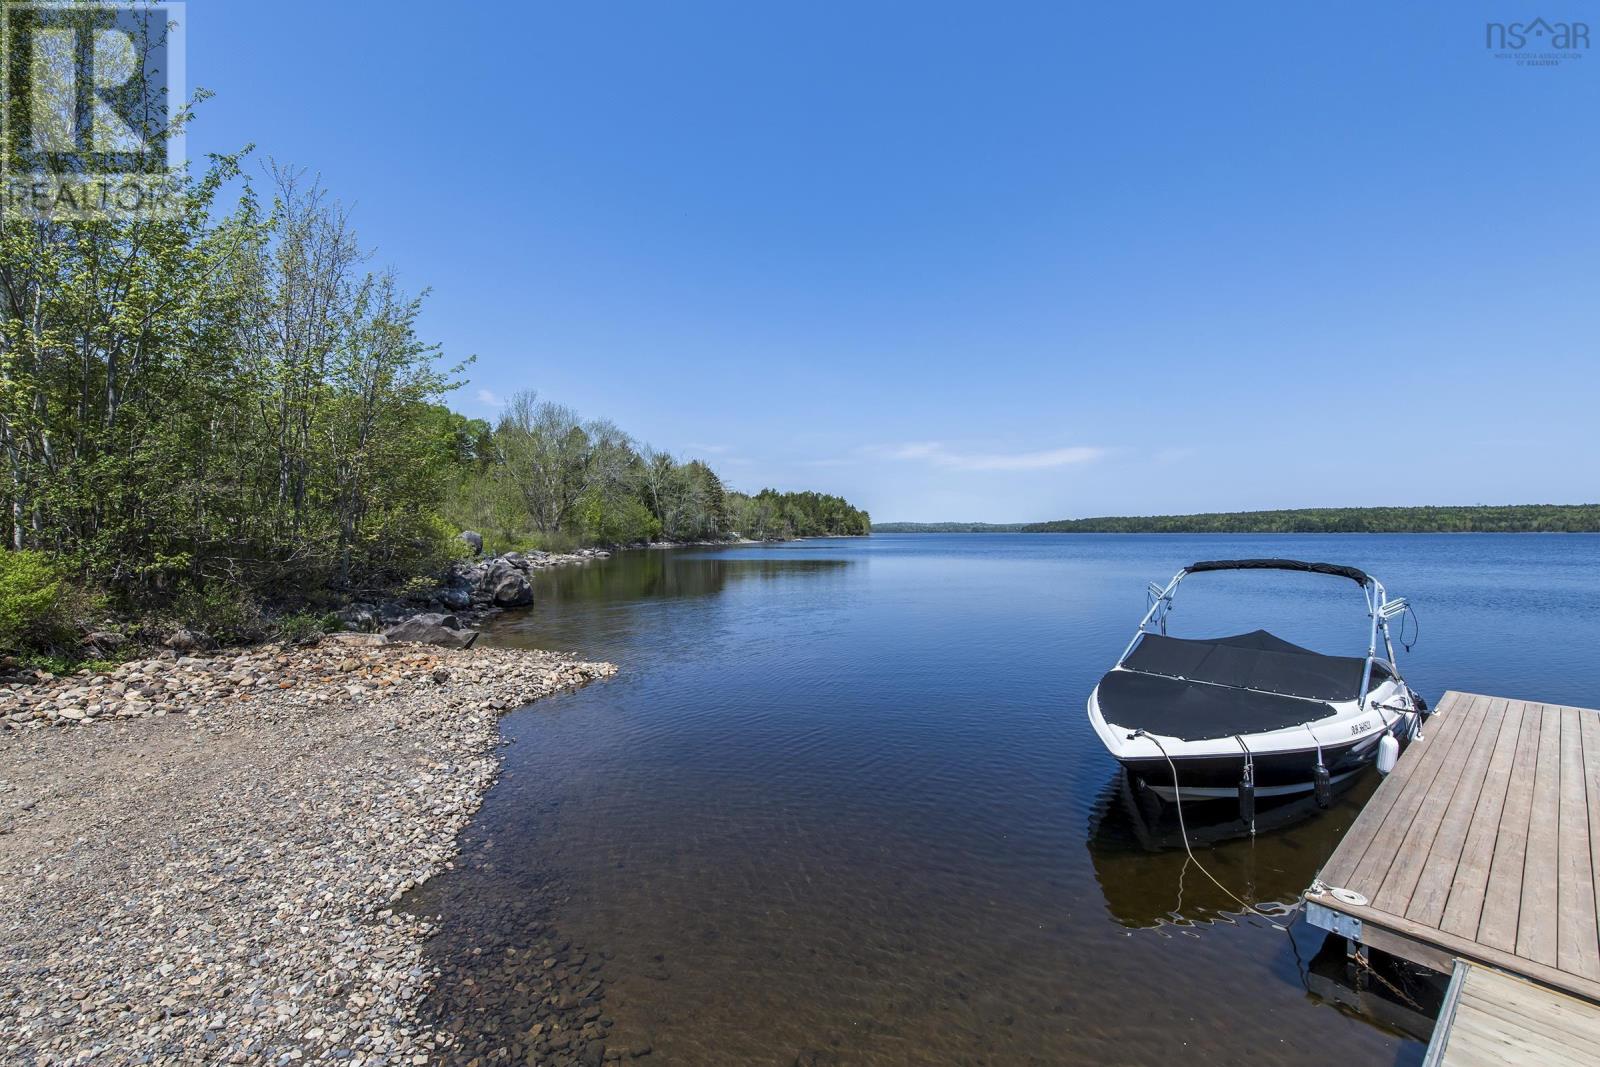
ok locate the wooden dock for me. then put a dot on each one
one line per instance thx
(1478, 847)
(1490, 1019)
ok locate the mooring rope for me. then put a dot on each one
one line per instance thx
(1183, 830)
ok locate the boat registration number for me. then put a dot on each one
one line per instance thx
(1360, 727)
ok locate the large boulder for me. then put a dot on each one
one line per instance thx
(473, 540)
(490, 574)
(187, 641)
(359, 616)
(356, 640)
(501, 583)
(433, 629)
(104, 640)
(392, 611)
(512, 591)
(456, 593)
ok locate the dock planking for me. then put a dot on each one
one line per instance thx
(1497, 925)
(1469, 879)
(1459, 856)
(1484, 844)
(1537, 910)
(1493, 1019)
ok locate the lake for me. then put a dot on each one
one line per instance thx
(842, 804)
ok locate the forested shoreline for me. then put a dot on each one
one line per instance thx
(543, 477)
(1509, 518)
(230, 410)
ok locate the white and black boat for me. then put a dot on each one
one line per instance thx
(1252, 715)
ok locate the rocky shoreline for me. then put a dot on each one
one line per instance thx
(201, 856)
(472, 590)
(443, 609)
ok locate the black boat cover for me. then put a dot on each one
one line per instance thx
(1171, 707)
(1256, 660)
(1279, 565)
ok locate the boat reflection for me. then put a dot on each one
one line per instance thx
(1148, 879)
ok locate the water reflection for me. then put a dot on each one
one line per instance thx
(635, 576)
(1386, 992)
(1148, 880)
(647, 600)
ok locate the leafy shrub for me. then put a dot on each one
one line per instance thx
(220, 610)
(305, 624)
(32, 602)
(498, 543)
(418, 589)
(625, 522)
(63, 665)
(405, 542)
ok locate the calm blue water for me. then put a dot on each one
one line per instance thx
(842, 805)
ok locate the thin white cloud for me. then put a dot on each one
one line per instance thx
(710, 450)
(1028, 461)
(917, 450)
(938, 454)
(490, 397)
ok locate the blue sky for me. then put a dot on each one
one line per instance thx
(978, 261)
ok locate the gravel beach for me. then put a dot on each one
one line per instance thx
(200, 857)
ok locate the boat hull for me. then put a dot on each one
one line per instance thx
(1275, 773)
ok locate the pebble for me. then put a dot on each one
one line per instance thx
(206, 867)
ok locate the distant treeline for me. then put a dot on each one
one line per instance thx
(1512, 518)
(543, 477)
(948, 527)
(771, 514)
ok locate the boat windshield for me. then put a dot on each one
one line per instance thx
(1301, 612)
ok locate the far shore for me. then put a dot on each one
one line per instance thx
(1476, 518)
(1221, 533)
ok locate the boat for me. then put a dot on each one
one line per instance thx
(1252, 715)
